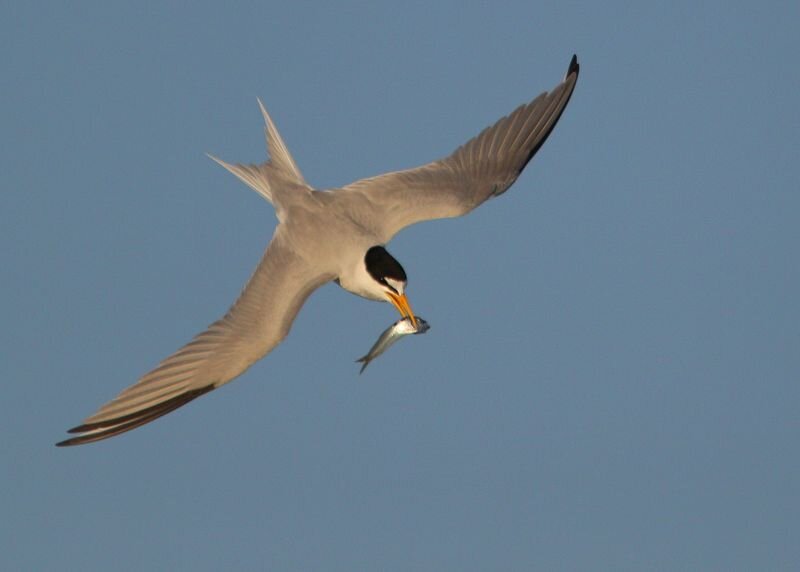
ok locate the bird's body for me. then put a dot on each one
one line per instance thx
(333, 235)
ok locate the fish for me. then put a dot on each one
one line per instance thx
(390, 335)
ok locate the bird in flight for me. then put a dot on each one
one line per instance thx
(334, 235)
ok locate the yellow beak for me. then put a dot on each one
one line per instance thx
(401, 303)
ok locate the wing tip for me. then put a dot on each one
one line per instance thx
(574, 66)
(90, 432)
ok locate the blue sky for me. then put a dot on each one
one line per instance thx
(611, 377)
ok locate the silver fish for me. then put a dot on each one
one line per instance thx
(393, 333)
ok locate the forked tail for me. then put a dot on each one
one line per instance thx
(280, 166)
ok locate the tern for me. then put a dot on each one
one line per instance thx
(335, 235)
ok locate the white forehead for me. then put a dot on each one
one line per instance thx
(396, 284)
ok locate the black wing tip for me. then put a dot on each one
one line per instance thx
(574, 66)
(125, 423)
(80, 429)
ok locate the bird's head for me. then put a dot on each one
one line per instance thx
(389, 279)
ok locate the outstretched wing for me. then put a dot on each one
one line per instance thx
(257, 322)
(484, 167)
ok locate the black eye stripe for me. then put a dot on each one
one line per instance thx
(389, 286)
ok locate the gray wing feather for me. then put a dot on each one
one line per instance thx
(257, 322)
(484, 167)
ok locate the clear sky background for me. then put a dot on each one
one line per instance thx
(611, 377)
